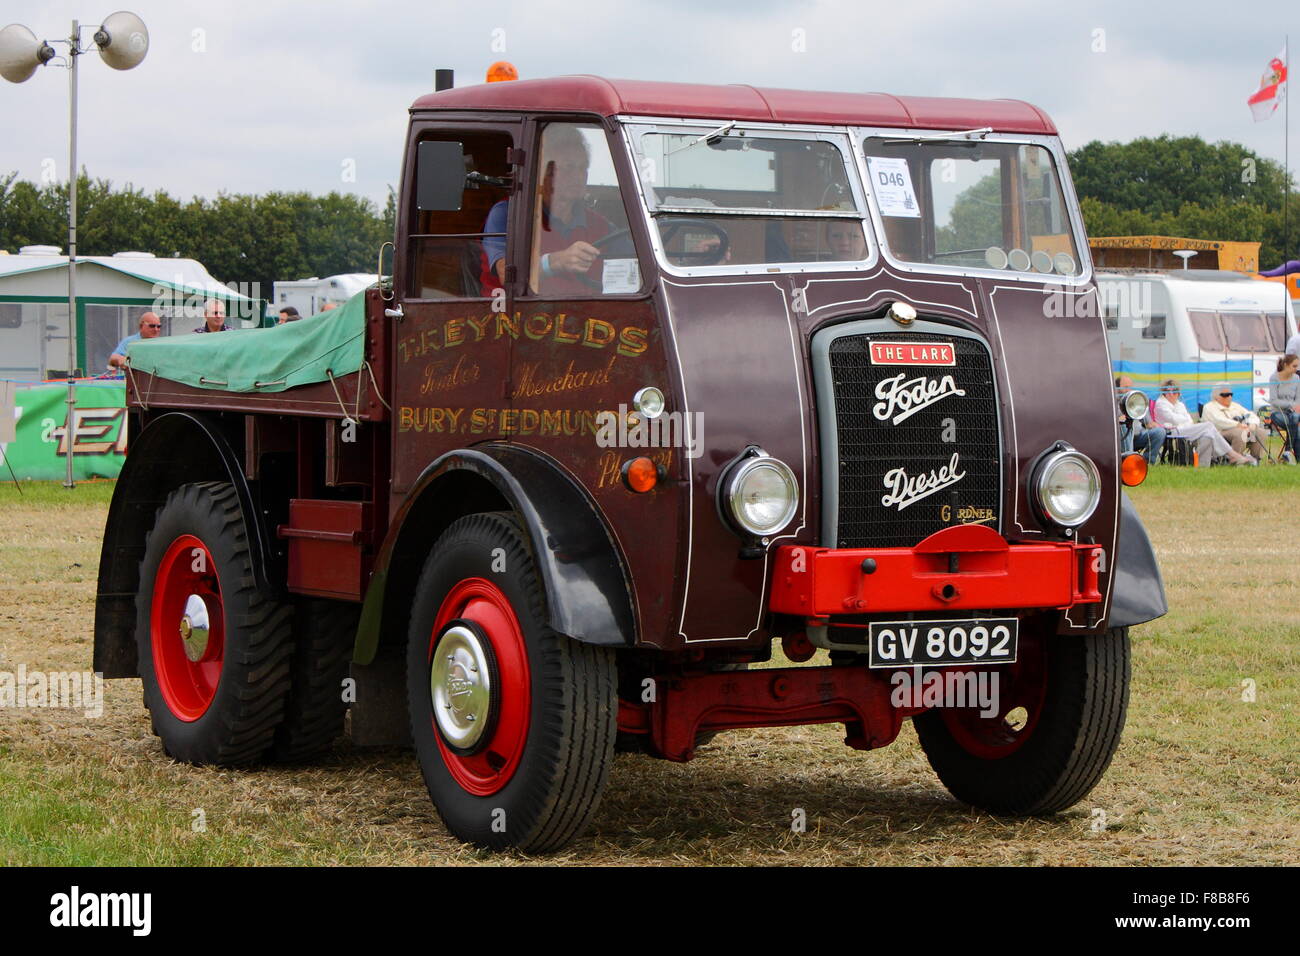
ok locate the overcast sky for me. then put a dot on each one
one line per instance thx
(279, 94)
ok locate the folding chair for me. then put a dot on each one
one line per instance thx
(1269, 416)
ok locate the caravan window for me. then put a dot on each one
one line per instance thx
(1245, 331)
(1277, 325)
(1206, 327)
(1155, 327)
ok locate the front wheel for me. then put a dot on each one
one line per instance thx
(1060, 712)
(513, 724)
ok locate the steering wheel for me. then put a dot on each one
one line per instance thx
(610, 239)
(706, 257)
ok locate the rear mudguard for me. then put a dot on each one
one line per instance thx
(588, 592)
(172, 450)
(1138, 594)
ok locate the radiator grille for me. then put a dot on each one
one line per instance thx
(935, 403)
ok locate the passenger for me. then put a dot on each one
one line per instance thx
(1177, 420)
(288, 314)
(214, 317)
(1149, 438)
(150, 328)
(846, 239)
(1240, 427)
(568, 227)
(1284, 394)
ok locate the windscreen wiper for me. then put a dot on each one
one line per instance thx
(710, 138)
(969, 136)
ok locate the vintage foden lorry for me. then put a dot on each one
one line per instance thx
(664, 375)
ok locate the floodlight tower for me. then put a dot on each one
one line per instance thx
(122, 41)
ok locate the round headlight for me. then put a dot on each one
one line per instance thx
(761, 495)
(1068, 487)
(1136, 404)
(649, 401)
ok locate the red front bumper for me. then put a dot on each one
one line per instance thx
(962, 567)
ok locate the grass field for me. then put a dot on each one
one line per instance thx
(1202, 776)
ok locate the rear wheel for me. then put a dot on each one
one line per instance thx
(513, 724)
(1060, 713)
(324, 635)
(213, 649)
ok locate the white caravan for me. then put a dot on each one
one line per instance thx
(1198, 326)
(310, 296)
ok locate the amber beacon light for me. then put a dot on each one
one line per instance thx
(501, 71)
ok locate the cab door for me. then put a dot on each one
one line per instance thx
(583, 313)
(452, 343)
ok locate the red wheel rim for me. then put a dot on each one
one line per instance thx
(1022, 685)
(496, 758)
(188, 668)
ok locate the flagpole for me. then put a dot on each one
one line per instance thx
(1286, 154)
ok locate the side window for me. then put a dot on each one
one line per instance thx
(1206, 327)
(1245, 331)
(1155, 327)
(458, 233)
(581, 243)
(1112, 316)
(1277, 327)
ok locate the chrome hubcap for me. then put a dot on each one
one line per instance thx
(194, 628)
(460, 685)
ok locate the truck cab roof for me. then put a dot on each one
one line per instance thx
(611, 97)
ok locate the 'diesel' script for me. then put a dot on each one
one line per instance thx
(904, 490)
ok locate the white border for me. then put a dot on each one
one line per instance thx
(800, 383)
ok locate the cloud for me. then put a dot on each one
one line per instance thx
(251, 96)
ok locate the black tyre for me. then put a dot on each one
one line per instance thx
(324, 635)
(513, 724)
(1060, 714)
(214, 651)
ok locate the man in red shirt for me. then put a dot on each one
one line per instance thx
(564, 256)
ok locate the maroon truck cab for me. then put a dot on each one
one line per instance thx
(667, 381)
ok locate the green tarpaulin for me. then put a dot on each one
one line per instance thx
(261, 360)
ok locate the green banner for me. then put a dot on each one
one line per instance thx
(37, 448)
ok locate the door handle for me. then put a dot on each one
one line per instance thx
(396, 313)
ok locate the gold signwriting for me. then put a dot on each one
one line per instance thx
(967, 515)
(532, 383)
(498, 421)
(562, 328)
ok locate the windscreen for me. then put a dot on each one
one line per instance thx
(972, 204)
(722, 196)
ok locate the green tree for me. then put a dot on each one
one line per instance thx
(1160, 174)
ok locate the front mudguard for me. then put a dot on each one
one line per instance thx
(588, 589)
(1138, 593)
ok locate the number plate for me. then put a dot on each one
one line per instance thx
(934, 643)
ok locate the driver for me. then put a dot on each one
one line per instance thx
(565, 254)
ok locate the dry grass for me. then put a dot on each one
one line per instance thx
(1201, 778)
